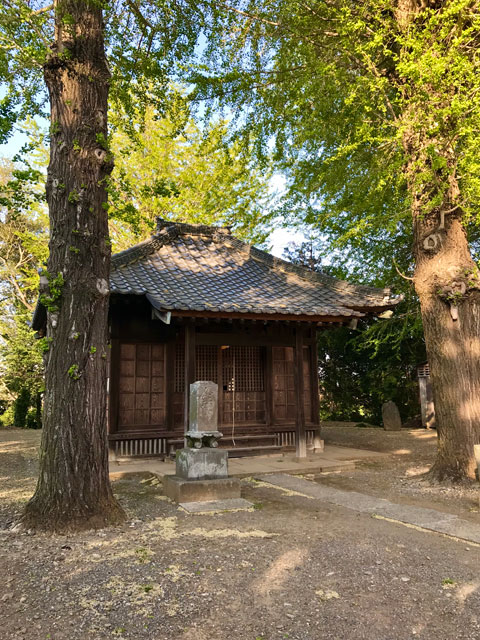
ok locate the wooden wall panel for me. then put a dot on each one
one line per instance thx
(141, 388)
(283, 385)
(307, 384)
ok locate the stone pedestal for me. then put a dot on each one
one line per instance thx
(181, 490)
(201, 475)
(202, 468)
(202, 464)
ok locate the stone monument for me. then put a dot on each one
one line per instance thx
(201, 472)
(391, 417)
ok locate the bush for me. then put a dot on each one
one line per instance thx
(6, 419)
(34, 420)
(20, 408)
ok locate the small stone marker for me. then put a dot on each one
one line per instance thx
(201, 472)
(203, 418)
(391, 417)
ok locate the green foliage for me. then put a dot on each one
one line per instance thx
(7, 419)
(20, 357)
(176, 170)
(73, 372)
(364, 108)
(73, 197)
(363, 368)
(44, 344)
(147, 44)
(55, 287)
(23, 248)
(21, 406)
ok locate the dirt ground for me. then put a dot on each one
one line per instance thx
(291, 568)
(401, 476)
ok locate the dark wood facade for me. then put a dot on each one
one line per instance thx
(266, 372)
(195, 303)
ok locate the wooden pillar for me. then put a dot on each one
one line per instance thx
(268, 386)
(169, 384)
(301, 439)
(219, 382)
(314, 378)
(318, 444)
(189, 368)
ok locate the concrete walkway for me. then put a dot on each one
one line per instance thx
(332, 459)
(430, 519)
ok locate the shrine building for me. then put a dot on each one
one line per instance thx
(195, 303)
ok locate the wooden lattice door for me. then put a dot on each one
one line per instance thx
(284, 397)
(284, 405)
(243, 384)
(141, 401)
(205, 369)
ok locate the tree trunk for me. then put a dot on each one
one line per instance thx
(73, 490)
(447, 280)
(448, 286)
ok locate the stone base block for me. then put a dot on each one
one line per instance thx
(212, 506)
(318, 446)
(202, 464)
(181, 490)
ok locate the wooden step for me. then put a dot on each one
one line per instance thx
(268, 439)
(238, 452)
(243, 452)
(264, 439)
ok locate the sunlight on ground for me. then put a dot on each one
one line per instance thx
(402, 452)
(287, 492)
(416, 471)
(424, 434)
(466, 590)
(277, 574)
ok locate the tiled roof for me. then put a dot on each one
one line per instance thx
(199, 268)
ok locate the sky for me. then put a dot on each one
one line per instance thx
(281, 237)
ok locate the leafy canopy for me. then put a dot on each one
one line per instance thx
(174, 169)
(145, 43)
(336, 88)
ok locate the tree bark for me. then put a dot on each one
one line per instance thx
(446, 280)
(73, 490)
(448, 286)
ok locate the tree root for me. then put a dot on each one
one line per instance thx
(61, 521)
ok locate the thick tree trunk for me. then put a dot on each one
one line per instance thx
(447, 282)
(446, 279)
(73, 489)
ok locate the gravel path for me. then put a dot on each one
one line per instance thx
(293, 568)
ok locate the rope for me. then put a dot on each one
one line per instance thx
(233, 400)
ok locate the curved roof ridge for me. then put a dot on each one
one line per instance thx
(352, 296)
(144, 248)
(191, 228)
(314, 276)
(265, 257)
